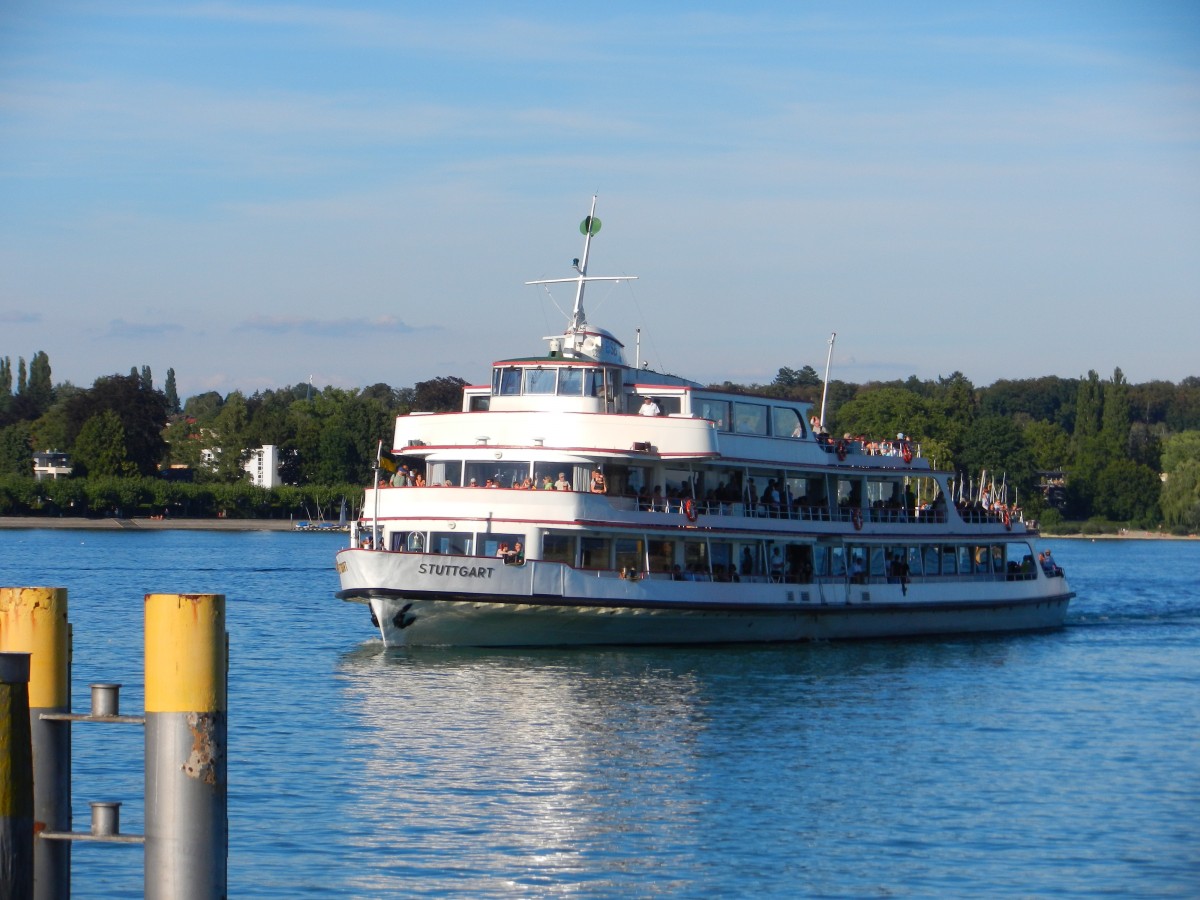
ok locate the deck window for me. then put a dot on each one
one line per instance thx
(489, 544)
(631, 554)
(786, 422)
(749, 418)
(450, 542)
(595, 553)
(914, 562)
(559, 548)
(716, 410)
(445, 470)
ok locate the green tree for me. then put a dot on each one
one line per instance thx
(1127, 492)
(16, 451)
(1049, 445)
(1180, 448)
(100, 447)
(142, 414)
(229, 439)
(171, 393)
(203, 407)
(439, 394)
(1088, 407)
(953, 404)
(1180, 498)
(1114, 420)
(994, 444)
(40, 390)
(883, 413)
(6, 386)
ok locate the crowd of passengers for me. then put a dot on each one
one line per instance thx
(406, 477)
(774, 501)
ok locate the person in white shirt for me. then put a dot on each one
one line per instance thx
(649, 408)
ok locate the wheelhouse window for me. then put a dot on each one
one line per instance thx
(570, 382)
(507, 382)
(593, 383)
(540, 381)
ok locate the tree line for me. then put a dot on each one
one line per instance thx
(1077, 449)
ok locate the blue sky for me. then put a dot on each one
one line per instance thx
(257, 193)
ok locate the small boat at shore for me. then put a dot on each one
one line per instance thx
(580, 500)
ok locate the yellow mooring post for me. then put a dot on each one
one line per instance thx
(16, 779)
(187, 830)
(33, 620)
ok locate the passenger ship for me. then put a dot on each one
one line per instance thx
(553, 510)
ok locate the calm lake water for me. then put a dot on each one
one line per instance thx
(1063, 764)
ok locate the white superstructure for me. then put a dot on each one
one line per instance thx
(554, 510)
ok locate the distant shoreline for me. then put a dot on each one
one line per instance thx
(1123, 536)
(147, 524)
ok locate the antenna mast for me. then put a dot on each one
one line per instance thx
(825, 384)
(588, 227)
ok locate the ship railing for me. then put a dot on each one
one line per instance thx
(797, 512)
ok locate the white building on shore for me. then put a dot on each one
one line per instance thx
(263, 466)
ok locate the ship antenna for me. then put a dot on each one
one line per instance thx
(825, 385)
(587, 227)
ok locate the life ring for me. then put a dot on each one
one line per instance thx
(689, 509)
(906, 452)
(856, 518)
(841, 449)
(1007, 520)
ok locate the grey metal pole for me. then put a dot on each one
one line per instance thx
(16, 779)
(187, 831)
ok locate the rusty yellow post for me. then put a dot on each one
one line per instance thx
(16, 779)
(187, 832)
(33, 620)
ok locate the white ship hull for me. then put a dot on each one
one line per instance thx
(577, 499)
(418, 600)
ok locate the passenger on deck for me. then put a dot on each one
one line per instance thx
(858, 570)
(776, 566)
(562, 484)
(547, 483)
(598, 486)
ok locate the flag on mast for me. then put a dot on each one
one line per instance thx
(385, 461)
